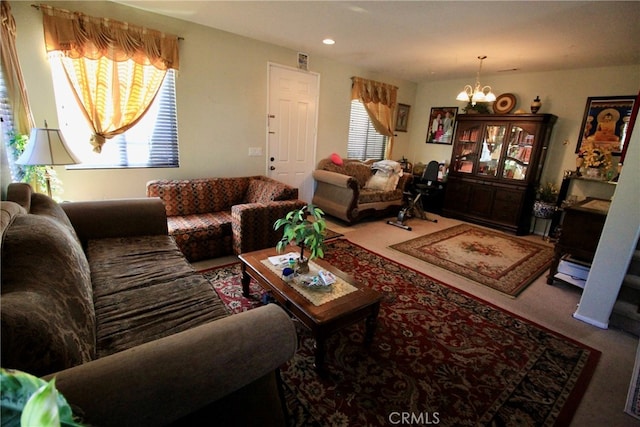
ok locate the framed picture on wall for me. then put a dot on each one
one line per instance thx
(303, 61)
(605, 122)
(442, 125)
(402, 117)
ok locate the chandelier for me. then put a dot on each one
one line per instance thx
(478, 93)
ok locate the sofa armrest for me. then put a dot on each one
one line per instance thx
(336, 194)
(117, 218)
(252, 224)
(164, 380)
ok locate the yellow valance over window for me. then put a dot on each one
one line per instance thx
(379, 100)
(370, 91)
(114, 68)
(80, 36)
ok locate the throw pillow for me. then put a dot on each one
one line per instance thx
(377, 182)
(392, 182)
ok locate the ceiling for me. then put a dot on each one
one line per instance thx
(432, 40)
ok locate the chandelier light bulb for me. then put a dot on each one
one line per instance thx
(479, 93)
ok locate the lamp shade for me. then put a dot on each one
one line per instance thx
(490, 97)
(463, 96)
(46, 147)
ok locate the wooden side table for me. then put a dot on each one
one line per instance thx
(581, 229)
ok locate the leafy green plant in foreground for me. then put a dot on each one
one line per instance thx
(26, 400)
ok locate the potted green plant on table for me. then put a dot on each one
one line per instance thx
(304, 232)
(545, 204)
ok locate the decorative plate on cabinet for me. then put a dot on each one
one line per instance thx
(504, 103)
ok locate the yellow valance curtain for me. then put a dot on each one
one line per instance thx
(82, 36)
(380, 101)
(115, 69)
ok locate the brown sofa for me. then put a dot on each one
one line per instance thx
(97, 295)
(213, 217)
(347, 192)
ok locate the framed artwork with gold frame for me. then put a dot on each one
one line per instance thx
(606, 122)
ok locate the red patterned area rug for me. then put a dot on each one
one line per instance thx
(330, 235)
(439, 356)
(502, 262)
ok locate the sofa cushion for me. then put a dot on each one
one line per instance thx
(360, 171)
(374, 196)
(48, 322)
(44, 205)
(196, 196)
(144, 290)
(201, 236)
(328, 165)
(263, 191)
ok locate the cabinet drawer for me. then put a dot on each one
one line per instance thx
(505, 211)
(457, 196)
(509, 197)
(481, 200)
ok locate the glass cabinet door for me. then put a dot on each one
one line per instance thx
(491, 150)
(516, 162)
(466, 148)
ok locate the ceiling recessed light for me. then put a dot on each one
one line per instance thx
(329, 41)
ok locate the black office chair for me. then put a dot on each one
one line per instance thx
(422, 188)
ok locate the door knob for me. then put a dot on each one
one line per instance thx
(272, 168)
(273, 159)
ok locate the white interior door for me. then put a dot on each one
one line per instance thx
(292, 127)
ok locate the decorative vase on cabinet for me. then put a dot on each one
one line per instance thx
(495, 168)
(593, 173)
(543, 210)
(535, 105)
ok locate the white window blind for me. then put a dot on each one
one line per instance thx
(6, 127)
(364, 141)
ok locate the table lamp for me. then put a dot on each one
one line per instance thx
(46, 147)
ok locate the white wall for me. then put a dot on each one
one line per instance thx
(221, 100)
(221, 96)
(617, 244)
(563, 93)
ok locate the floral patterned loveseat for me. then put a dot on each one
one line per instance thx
(352, 189)
(213, 217)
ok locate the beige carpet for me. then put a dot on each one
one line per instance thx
(502, 262)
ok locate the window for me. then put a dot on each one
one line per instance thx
(7, 129)
(364, 141)
(152, 142)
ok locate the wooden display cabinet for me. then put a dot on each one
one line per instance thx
(495, 168)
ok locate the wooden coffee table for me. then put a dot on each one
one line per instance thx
(324, 319)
